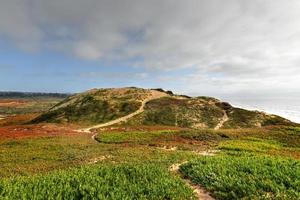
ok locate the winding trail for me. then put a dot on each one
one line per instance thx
(153, 95)
(223, 120)
(200, 193)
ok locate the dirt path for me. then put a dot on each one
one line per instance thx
(154, 95)
(223, 120)
(199, 192)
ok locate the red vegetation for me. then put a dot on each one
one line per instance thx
(40, 130)
(18, 119)
(12, 102)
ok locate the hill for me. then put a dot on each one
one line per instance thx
(95, 106)
(102, 105)
(203, 112)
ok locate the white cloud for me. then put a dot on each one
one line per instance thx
(239, 44)
(17, 24)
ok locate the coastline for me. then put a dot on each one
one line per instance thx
(288, 113)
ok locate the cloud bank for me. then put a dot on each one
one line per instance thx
(232, 45)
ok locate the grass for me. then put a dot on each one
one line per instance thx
(132, 162)
(103, 105)
(249, 145)
(36, 155)
(276, 141)
(202, 113)
(99, 182)
(41, 154)
(140, 137)
(246, 177)
(253, 164)
(88, 109)
(189, 140)
(256, 146)
(241, 118)
(169, 111)
(29, 164)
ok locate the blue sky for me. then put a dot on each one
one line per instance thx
(53, 72)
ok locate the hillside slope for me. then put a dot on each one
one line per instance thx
(95, 106)
(98, 106)
(202, 112)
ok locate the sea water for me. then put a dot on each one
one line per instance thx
(288, 108)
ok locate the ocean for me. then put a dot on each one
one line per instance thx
(288, 108)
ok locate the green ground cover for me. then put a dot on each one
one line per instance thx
(30, 156)
(252, 164)
(99, 182)
(246, 177)
(140, 137)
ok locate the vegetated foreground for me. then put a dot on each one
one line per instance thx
(100, 182)
(252, 177)
(132, 159)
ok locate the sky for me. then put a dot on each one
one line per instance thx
(227, 49)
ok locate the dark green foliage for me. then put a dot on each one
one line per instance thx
(164, 111)
(185, 96)
(163, 116)
(181, 112)
(224, 105)
(99, 182)
(165, 91)
(207, 98)
(241, 118)
(276, 120)
(169, 92)
(159, 89)
(127, 107)
(244, 177)
(210, 115)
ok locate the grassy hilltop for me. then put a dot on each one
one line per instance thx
(102, 105)
(95, 106)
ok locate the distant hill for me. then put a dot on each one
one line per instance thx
(103, 105)
(32, 94)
